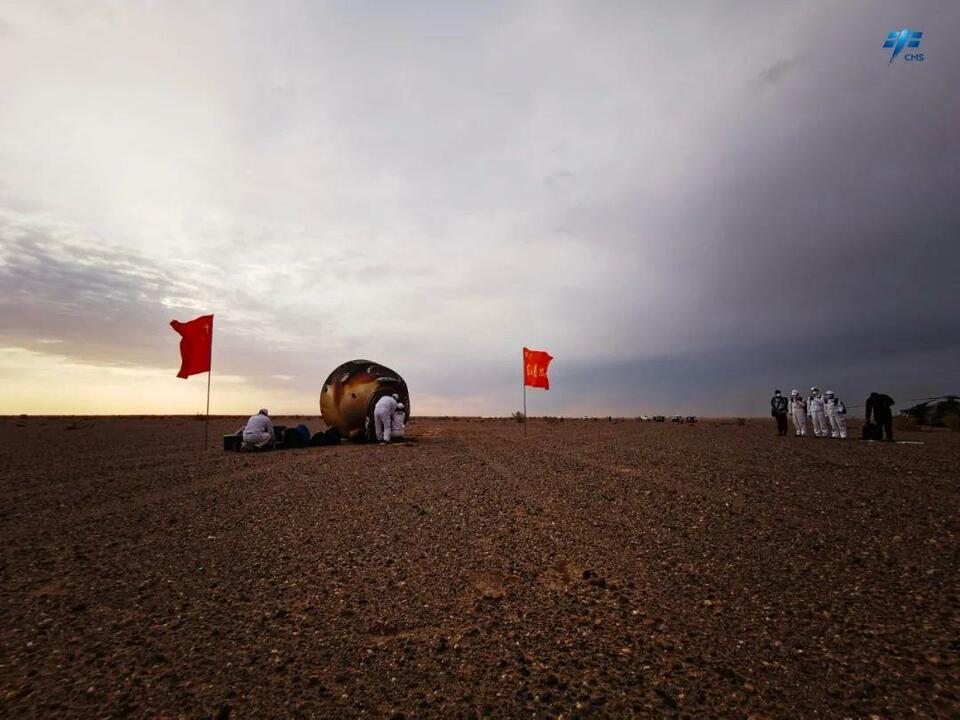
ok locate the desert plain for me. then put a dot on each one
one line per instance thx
(592, 568)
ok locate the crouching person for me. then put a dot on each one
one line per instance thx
(398, 422)
(258, 432)
(383, 413)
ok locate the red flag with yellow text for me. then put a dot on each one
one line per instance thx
(535, 364)
(196, 344)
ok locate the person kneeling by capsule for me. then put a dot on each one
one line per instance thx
(398, 422)
(258, 432)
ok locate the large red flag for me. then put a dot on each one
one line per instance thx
(196, 342)
(535, 364)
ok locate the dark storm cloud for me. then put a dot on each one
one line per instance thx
(826, 250)
(818, 246)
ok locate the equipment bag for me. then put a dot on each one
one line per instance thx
(296, 437)
(330, 437)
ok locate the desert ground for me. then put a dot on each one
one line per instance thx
(590, 569)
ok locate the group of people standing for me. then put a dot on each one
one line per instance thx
(826, 411)
(828, 414)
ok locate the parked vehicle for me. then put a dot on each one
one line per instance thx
(941, 411)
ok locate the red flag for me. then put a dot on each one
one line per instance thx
(535, 364)
(196, 343)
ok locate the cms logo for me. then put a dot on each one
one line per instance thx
(905, 39)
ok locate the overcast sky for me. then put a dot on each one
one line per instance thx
(687, 204)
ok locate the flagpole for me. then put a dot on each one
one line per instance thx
(524, 400)
(206, 422)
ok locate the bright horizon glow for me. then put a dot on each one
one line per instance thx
(54, 385)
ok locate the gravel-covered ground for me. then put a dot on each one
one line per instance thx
(592, 568)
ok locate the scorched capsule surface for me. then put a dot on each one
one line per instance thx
(351, 392)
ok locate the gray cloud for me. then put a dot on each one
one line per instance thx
(686, 206)
(109, 306)
(779, 70)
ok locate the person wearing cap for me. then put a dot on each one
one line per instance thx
(817, 415)
(383, 416)
(836, 413)
(798, 410)
(778, 408)
(398, 422)
(258, 432)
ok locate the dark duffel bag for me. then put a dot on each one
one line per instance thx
(872, 431)
(296, 437)
(330, 437)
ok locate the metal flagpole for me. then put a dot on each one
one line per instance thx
(206, 423)
(524, 399)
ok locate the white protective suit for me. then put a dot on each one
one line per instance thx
(798, 411)
(258, 431)
(398, 423)
(383, 417)
(817, 415)
(836, 413)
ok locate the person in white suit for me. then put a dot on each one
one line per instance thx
(836, 413)
(258, 432)
(383, 416)
(798, 411)
(398, 422)
(817, 415)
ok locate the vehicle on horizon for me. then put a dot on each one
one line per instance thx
(659, 418)
(677, 419)
(942, 411)
(691, 418)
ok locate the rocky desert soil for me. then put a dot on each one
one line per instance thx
(590, 569)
